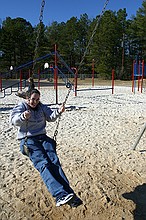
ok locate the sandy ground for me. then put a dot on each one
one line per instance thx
(95, 139)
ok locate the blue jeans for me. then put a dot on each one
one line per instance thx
(42, 153)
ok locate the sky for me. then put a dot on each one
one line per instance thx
(62, 10)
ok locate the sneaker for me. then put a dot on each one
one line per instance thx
(75, 202)
(64, 200)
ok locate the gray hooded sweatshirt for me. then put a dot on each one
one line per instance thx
(36, 124)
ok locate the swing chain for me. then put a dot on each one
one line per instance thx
(64, 103)
(66, 98)
(42, 11)
(93, 33)
(38, 35)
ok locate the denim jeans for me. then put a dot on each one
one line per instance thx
(42, 153)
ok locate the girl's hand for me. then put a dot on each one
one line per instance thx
(27, 114)
(61, 109)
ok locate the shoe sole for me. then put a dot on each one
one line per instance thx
(75, 202)
(67, 199)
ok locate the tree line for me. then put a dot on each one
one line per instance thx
(115, 44)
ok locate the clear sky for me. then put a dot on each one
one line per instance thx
(62, 10)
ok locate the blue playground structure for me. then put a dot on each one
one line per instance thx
(8, 90)
(138, 74)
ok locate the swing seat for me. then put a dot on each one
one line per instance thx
(23, 148)
(25, 151)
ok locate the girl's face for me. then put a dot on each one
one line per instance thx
(33, 101)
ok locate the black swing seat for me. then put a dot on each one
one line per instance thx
(25, 151)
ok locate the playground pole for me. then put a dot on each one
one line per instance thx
(133, 76)
(39, 79)
(56, 76)
(75, 80)
(142, 75)
(113, 73)
(139, 137)
(29, 74)
(20, 80)
(0, 82)
(93, 73)
(139, 63)
(138, 70)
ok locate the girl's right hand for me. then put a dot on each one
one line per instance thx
(27, 114)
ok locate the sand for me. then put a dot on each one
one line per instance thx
(95, 142)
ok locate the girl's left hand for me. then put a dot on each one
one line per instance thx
(61, 109)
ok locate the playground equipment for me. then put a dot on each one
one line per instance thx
(15, 87)
(138, 75)
(139, 137)
(93, 33)
(68, 84)
(19, 69)
(93, 88)
(53, 69)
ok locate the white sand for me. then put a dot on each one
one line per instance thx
(95, 139)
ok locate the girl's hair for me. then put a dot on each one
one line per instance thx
(30, 79)
(29, 93)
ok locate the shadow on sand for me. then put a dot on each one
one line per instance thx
(138, 196)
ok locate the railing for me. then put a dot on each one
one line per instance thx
(12, 88)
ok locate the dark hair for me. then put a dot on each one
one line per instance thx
(31, 84)
(29, 93)
(31, 79)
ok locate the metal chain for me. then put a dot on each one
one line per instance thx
(64, 103)
(90, 40)
(93, 33)
(36, 48)
(66, 98)
(38, 35)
